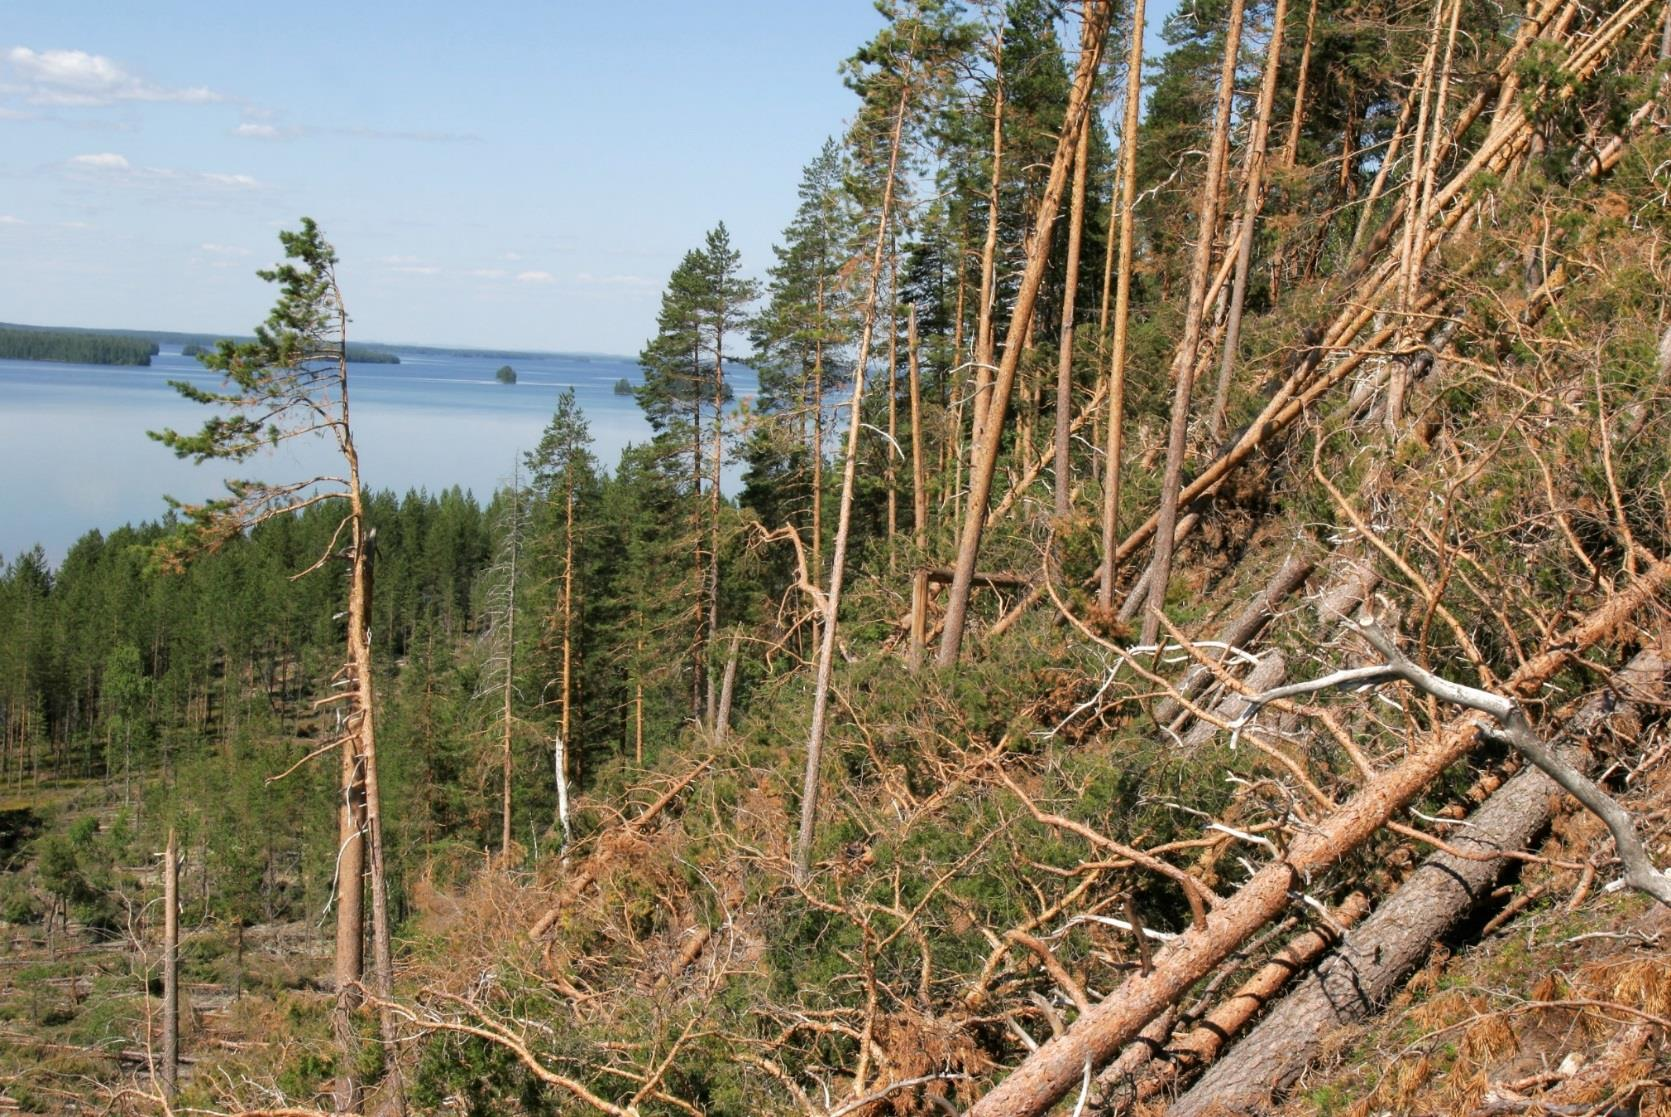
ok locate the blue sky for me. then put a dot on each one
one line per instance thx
(518, 174)
(509, 174)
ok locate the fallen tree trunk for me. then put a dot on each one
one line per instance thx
(1358, 977)
(1204, 1042)
(1289, 578)
(1049, 1073)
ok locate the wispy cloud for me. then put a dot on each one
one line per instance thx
(263, 130)
(255, 130)
(416, 269)
(104, 160)
(487, 273)
(535, 277)
(77, 79)
(111, 169)
(223, 249)
(10, 219)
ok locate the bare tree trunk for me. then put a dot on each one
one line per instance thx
(715, 465)
(349, 966)
(919, 479)
(1070, 292)
(984, 341)
(170, 968)
(816, 569)
(1291, 150)
(567, 695)
(1183, 364)
(844, 515)
(980, 480)
(1253, 195)
(1122, 313)
(1415, 230)
(891, 473)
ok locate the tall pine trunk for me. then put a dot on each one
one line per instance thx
(1122, 314)
(1183, 363)
(980, 479)
(844, 515)
(1253, 193)
(1070, 292)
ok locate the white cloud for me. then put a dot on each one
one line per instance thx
(104, 160)
(250, 130)
(512, 256)
(9, 219)
(243, 182)
(488, 273)
(223, 249)
(535, 277)
(416, 269)
(76, 78)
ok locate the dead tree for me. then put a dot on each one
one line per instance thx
(1357, 978)
(1058, 1066)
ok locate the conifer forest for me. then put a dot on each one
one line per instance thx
(1183, 626)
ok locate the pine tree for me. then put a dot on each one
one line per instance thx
(291, 382)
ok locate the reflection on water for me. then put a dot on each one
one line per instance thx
(74, 455)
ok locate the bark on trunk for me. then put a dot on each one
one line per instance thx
(1253, 194)
(1070, 293)
(1044, 1077)
(1183, 364)
(980, 481)
(1117, 363)
(844, 513)
(170, 967)
(1356, 980)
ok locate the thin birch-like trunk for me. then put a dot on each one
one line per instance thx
(844, 514)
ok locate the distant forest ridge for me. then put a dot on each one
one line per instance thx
(75, 346)
(86, 345)
(192, 343)
(360, 354)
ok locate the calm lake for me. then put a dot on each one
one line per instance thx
(74, 455)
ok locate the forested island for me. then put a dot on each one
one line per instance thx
(74, 347)
(1192, 634)
(357, 354)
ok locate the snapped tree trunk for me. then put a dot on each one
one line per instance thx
(1355, 981)
(1049, 1073)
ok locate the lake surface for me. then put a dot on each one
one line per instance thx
(74, 454)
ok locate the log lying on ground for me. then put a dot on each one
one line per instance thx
(1357, 978)
(1204, 1042)
(1290, 577)
(1049, 1073)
